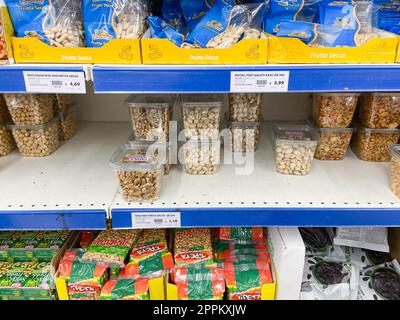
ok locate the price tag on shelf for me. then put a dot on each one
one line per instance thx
(55, 81)
(150, 220)
(259, 81)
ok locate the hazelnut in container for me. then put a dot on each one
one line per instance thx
(395, 169)
(334, 110)
(37, 140)
(138, 172)
(201, 157)
(68, 123)
(7, 143)
(245, 107)
(294, 148)
(333, 143)
(4, 115)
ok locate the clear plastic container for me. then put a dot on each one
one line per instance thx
(7, 143)
(380, 110)
(150, 116)
(201, 157)
(159, 149)
(138, 172)
(201, 116)
(334, 110)
(245, 106)
(395, 169)
(373, 144)
(4, 115)
(333, 143)
(294, 148)
(37, 141)
(63, 102)
(244, 136)
(68, 123)
(30, 109)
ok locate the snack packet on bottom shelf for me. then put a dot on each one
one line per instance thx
(126, 289)
(193, 246)
(255, 234)
(226, 250)
(369, 258)
(244, 279)
(199, 283)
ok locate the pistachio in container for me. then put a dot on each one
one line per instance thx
(245, 107)
(395, 169)
(294, 148)
(37, 140)
(244, 136)
(138, 172)
(333, 143)
(201, 157)
(7, 143)
(68, 123)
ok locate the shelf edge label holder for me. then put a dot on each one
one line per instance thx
(259, 81)
(156, 220)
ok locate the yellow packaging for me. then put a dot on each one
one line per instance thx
(162, 51)
(398, 54)
(6, 33)
(292, 50)
(117, 51)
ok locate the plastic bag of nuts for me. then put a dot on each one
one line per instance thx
(380, 110)
(334, 110)
(395, 169)
(63, 103)
(4, 115)
(201, 116)
(373, 144)
(245, 106)
(244, 136)
(139, 174)
(150, 116)
(68, 123)
(37, 141)
(294, 148)
(7, 143)
(30, 109)
(201, 157)
(333, 143)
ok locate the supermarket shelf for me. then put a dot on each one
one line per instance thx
(336, 193)
(71, 189)
(192, 79)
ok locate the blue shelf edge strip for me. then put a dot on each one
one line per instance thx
(201, 79)
(274, 217)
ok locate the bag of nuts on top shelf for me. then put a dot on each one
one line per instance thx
(6, 33)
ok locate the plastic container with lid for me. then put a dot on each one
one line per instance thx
(7, 143)
(68, 123)
(63, 102)
(334, 110)
(244, 136)
(380, 110)
(37, 141)
(201, 157)
(201, 116)
(150, 115)
(245, 106)
(4, 114)
(30, 109)
(395, 169)
(294, 148)
(333, 143)
(138, 172)
(373, 144)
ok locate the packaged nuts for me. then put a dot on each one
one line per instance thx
(4, 115)
(294, 148)
(245, 106)
(333, 143)
(244, 136)
(63, 102)
(37, 141)
(380, 110)
(7, 143)
(334, 110)
(68, 123)
(150, 116)
(201, 157)
(395, 169)
(139, 174)
(373, 144)
(201, 116)
(30, 109)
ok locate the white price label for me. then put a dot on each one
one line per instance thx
(149, 220)
(55, 81)
(259, 81)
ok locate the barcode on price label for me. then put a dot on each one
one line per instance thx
(150, 220)
(55, 81)
(259, 81)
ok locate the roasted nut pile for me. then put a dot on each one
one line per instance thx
(293, 158)
(37, 141)
(371, 145)
(150, 124)
(201, 122)
(334, 110)
(7, 143)
(67, 125)
(395, 172)
(333, 144)
(245, 106)
(30, 109)
(201, 158)
(244, 137)
(63, 102)
(380, 110)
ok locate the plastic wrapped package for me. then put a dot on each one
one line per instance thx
(245, 107)
(294, 148)
(7, 143)
(395, 169)
(229, 250)
(334, 110)
(68, 123)
(160, 29)
(30, 109)
(201, 157)
(333, 143)
(172, 14)
(373, 144)
(316, 240)
(194, 10)
(255, 234)
(126, 289)
(244, 136)
(380, 110)
(36, 140)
